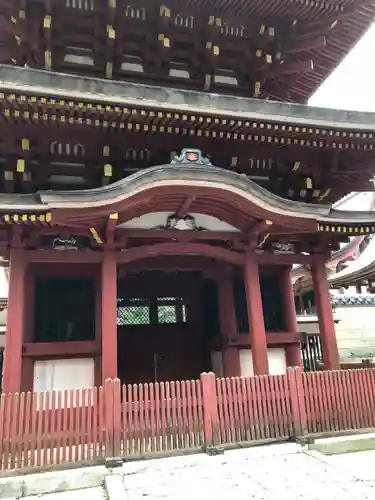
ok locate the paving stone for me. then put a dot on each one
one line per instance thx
(39, 484)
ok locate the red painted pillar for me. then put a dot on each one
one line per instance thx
(109, 316)
(12, 370)
(327, 330)
(255, 315)
(292, 351)
(228, 322)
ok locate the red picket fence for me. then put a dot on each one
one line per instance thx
(338, 400)
(38, 430)
(160, 417)
(252, 409)
(53, 428)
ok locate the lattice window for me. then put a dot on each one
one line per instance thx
(167, 314)
(88, 5)
(171, 310)
(140, 311)
(136, 312)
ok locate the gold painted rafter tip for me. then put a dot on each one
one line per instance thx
(345, 229)
(113, 216)
(95, 235)
(27, 218)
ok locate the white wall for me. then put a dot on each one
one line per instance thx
(63, 374)
(276, 361)
(355, 332)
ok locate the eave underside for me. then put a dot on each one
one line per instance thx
(298, 152)
(271, 48)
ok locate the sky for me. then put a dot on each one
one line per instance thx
(351, 86)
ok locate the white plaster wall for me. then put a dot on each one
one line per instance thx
(355, 332)
(63, 374)
(276, 361)
(246, 363)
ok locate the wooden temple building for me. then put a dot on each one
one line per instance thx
(161, 174)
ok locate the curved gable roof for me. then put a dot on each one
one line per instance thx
(184, 175)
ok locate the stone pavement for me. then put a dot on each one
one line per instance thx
(262, 473)
(86, 494)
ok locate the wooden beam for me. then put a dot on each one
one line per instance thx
(36, 256)
(202, 249)
(273, 338)
(49, 349)
(172, 263)
(174, 235)
(181, 212)
(281, 259)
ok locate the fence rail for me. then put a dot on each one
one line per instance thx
(38, 430)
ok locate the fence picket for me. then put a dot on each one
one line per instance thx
(158, 419)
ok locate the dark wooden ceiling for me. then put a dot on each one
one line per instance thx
(263, 48)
